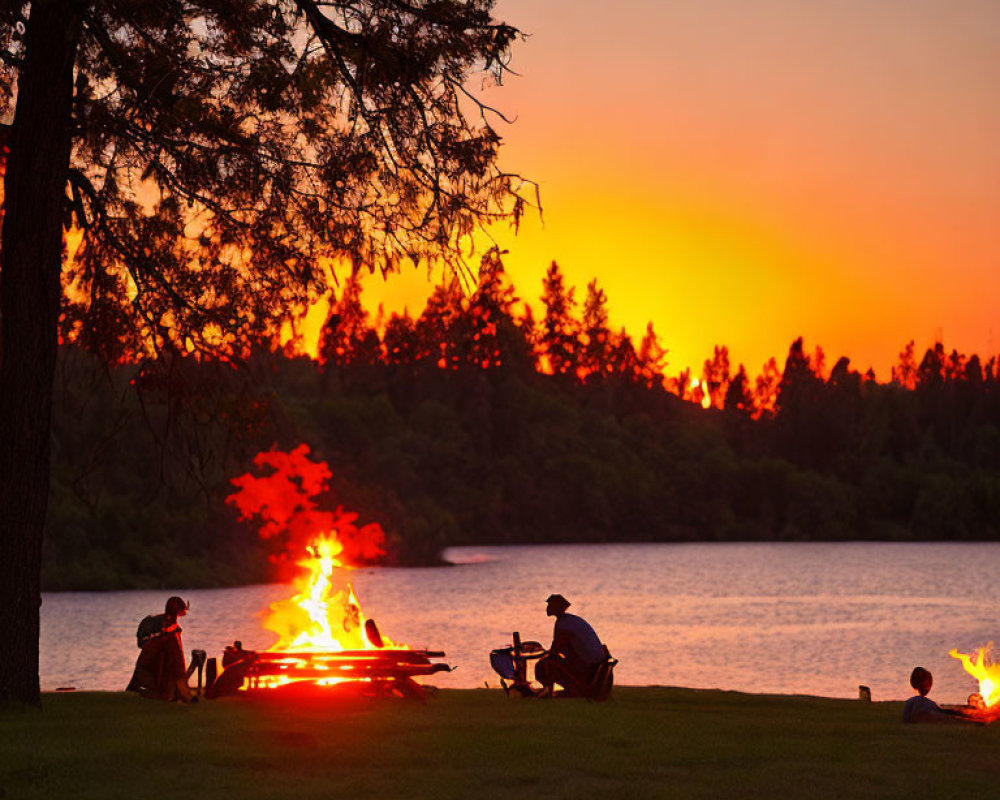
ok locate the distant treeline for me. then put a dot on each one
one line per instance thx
(473, 423)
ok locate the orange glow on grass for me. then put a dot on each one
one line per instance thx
(988, 674)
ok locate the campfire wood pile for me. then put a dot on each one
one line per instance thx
(381, 672)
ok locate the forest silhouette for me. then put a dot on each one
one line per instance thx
(476, 423)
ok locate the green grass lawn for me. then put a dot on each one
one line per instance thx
(644, 742)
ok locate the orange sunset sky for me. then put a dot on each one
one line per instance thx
(743, 172)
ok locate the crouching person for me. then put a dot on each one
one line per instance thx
(159, 671)
(575, 655)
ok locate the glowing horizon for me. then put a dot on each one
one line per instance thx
(745, 174)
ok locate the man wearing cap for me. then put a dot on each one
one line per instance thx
(575, 653)
(159, 670)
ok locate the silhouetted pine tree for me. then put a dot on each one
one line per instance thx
(558, 336)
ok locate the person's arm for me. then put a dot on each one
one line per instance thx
(980, 716)
(562, 641)
(933, 713)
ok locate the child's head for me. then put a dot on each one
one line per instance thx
(921, 680)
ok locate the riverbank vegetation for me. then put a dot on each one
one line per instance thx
(477, 423)
(643, 743)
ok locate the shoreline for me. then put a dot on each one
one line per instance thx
(441, 562)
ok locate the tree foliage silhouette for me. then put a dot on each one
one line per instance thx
(558, 335)
(212, 154)
(596, 334)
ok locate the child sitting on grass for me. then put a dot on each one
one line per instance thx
(920, 708)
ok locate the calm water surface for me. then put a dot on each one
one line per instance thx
(788, 618)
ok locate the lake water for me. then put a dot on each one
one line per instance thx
(816, 618)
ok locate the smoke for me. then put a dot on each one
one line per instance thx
(284, 501)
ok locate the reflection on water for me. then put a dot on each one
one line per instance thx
(789, 618)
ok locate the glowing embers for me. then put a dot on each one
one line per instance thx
(988, 674)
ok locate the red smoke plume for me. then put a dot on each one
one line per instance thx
(283, 502)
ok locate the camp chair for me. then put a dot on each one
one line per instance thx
(511, 664)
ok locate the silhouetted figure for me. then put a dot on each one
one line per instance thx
(920, 708)
(159, 671)
(575, 654)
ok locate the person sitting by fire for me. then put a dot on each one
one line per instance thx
(575, 654)
(920, 708)
(159, 670)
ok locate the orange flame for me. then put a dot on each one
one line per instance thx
(988, 674)
(324, 615)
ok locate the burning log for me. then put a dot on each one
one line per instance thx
(412, 656)
(373, 635)
(387, 671)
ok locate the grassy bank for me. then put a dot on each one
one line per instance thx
(645, 742)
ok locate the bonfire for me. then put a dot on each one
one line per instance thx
(324, 637)
(987, 674)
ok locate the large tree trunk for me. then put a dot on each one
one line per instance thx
(34, 188)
